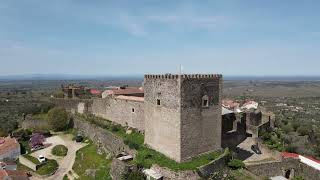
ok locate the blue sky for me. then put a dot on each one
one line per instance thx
(123, 37)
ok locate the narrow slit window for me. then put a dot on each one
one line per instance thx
(205, 101)
(158, 102)
(133, 110)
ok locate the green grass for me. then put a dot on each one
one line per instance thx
(42, 116)
(65, 177)
(45, 169)
(59, 150)
(146, 156)
(87, 158)
(241, 174)
(48, 168)
(31, 158)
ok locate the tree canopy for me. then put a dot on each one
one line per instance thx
(58, 119)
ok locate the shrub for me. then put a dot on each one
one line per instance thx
(298, 178)
(236, 164)
(132, 145)
(59, 150)
(65, 177)
(3, 132)
(134, 175)
(115, 128)
(58, 119)
(287, 128)
(303, 130)
(291, 148)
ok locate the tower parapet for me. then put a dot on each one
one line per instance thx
(184, 76)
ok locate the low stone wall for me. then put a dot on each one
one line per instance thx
(119, 169)
(104, 139)
(35, 124)
(216, 165)
(24, 161)
(307, 172)
(275, 168)
(172, 175)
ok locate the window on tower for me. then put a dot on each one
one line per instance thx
(205, 101)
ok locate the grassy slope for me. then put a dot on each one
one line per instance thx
(241, 174)
(87, 158)
(146, 157)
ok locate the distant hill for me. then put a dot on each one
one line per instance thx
(128, 77)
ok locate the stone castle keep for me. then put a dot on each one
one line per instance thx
(183, 114)
(179, 114)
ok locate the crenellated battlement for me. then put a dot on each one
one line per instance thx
(183, 76)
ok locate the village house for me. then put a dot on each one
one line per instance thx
(13, 175)
(9, 149)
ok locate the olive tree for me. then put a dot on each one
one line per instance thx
(58, 119)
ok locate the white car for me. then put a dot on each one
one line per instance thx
(41, 159)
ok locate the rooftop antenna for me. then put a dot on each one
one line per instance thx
(180, 69)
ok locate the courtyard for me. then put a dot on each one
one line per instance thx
(66, 162)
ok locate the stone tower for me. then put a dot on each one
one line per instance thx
(183, 114)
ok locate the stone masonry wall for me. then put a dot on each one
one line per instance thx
(162, 122)
(72, 105)
(37, 124)
(179, 126)
(120, 111)
(271, 169)
(24, 161)
(172, 175)
(104, 139)
(119, 169)
(200, 125)
(216, 165)
(307, 172)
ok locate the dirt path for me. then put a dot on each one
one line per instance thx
(65, 163)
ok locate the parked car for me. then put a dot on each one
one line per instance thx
(41, 159)
(38, 147)
(255, 148)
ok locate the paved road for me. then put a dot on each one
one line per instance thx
(65, 163)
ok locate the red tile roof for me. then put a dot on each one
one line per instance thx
(95, 92)
(21, 175)
(7, 144)
(289, 155)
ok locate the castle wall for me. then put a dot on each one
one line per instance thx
(103, 139)
(200, 125)
(162, 122)
(120, 111)
(74, 105)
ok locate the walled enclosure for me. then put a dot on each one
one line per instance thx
(183, 114)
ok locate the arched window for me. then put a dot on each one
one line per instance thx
(205, 101)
